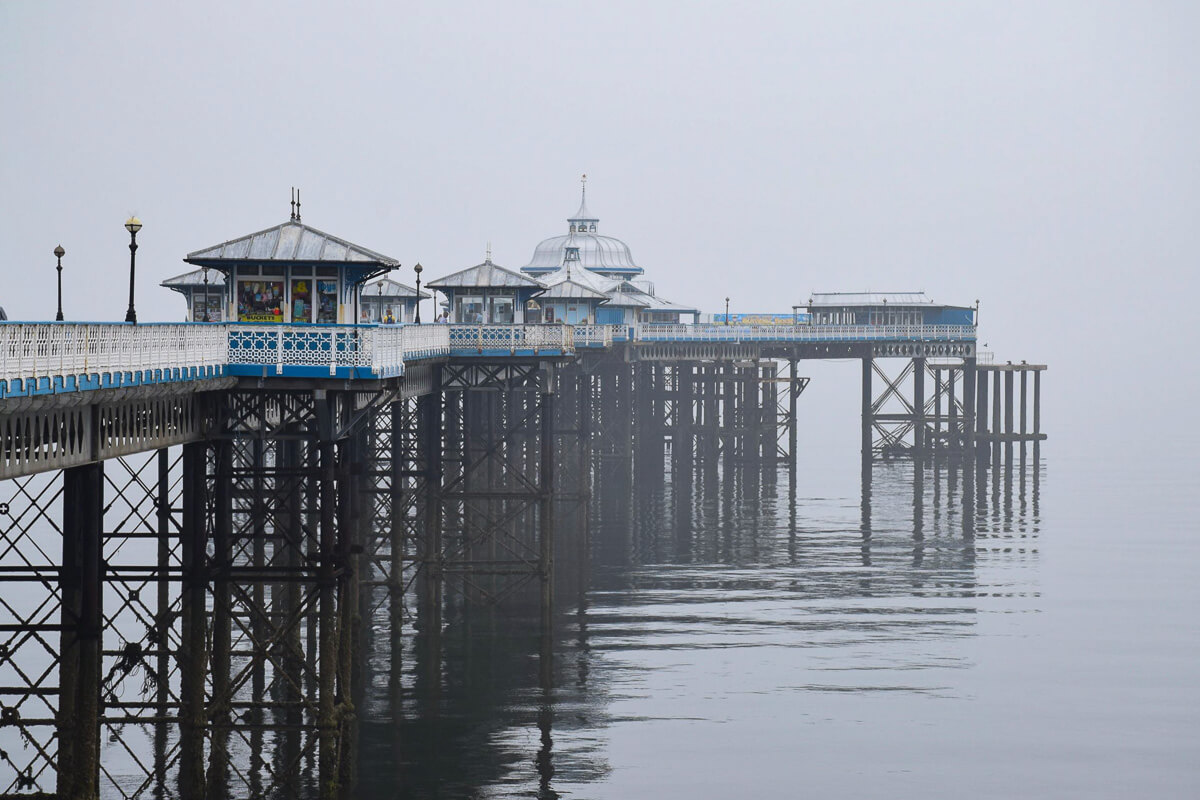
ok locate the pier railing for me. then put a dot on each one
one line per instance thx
(33, 352)
(51, 357)
(512, 339)
(658, 332)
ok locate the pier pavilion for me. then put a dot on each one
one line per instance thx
(389, 302)
(201, 516)
(292, 273)
(204, 291)
(487, 293)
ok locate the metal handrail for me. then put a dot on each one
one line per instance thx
(37, 350)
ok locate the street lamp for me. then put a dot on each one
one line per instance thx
(726, 310)
(133, 225)
(58, 251)
(417, 269)
(206, 294)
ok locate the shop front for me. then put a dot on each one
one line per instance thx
(291, 274)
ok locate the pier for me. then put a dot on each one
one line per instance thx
(201, 520)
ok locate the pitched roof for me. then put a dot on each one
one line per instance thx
(194, 278)
(487, 275)
(390, 288)
(570, 290)
(842, 299)
(291, 242)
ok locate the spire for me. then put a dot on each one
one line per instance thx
(488, 260)
(583, 221)
(297, 205)
(293, 216)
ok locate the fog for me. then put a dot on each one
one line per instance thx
(1038, 157)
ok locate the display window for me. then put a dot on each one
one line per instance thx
(214, 307)
(502, 310)
(260, 301)
(327, 304)
(550, 315)
(469, 310)
(302, 300)
(533, 312)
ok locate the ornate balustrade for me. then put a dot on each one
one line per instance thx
(803, 333)
(511, 339)
(41, 358)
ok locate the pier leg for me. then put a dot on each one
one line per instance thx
(79, 666)
(1024, 400)
(867, 414)
(327, 660)
(969, 374)
(194, 623)
(981, 415)
(918, 410)
(219, 708)
(793, 398)
(1037, 403)
(162, 619)
(997, 422)
(938, 390)
(546, 505)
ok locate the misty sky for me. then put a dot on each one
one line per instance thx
(1041, 157)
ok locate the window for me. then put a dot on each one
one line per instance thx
(327, 305)
(469, 310)
(502, 310)
(214, 306)
(260, 301)
(302, 300)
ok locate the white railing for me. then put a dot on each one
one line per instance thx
(391, 346)
(512, 338)
(592, 335)
(381, 349)
(35, 350)
(38, 350)
(652, 332)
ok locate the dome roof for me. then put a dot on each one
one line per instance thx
(584, 246)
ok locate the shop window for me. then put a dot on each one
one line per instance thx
(302, 301)
(214, 307)
(260, 301)
(327, 302)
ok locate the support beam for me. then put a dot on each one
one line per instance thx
(79, 667)
(868, 421)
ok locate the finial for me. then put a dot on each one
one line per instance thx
(297, 205)
(292, 217)
(583, 181)
(489, 253)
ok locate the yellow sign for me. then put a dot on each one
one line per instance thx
(259, 316)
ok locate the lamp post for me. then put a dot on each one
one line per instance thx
(417, 269)
(726, 310)
(206, 319)
(133, 225)
(59, 252)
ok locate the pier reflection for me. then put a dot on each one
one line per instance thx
(865, 591)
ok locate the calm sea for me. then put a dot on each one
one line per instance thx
(755, 638)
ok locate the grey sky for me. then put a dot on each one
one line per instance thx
(1041, 157)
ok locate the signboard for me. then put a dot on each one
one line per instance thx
(761, 319)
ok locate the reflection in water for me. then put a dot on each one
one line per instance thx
(736, 598)
(705, 595)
